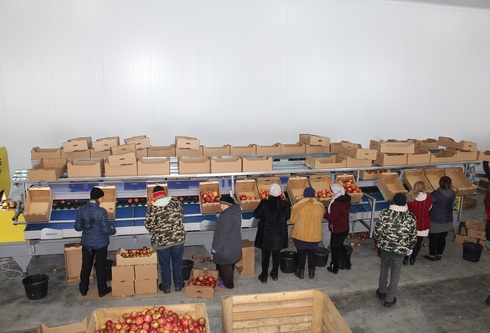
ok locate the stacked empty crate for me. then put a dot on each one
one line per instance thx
(134, 275)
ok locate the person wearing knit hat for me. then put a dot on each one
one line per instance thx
(337, 215)
(273, 214)
(306, 217)
(93, 222)
(164, 220)
(227, 240)
(395, 234)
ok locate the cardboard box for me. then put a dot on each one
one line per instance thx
(356, 151)
(351, 162)
(314, 140)
(433, 175)
(122, 159)
(477, 234)
(391, 159)
(148, 166)
(141, 153)
(475, 225)
(187, 142)
(161, 151)
(75, 154)
(484, 155)
(355, 197)
(145, 287)
(39, 153)
(118, 171)
(462, 184)
(201, 291)
(332, 162)
(121, 261)
(274, 149)
(295, 187)
(80, 327)
(302, 310)
(123, 149)
(73, 262)
(105, 144)
(216, 151)
(464, 155)
(292, 148)
(460, 239)
(411, 176)
(309, 149)
(243, 150)
(264, 183)
(247, 188)
(442, 156)
(80, 168)
(78, 144)
(38, 205)
(450, 143)
(194, 165)
(122, 273)
(100, 316)
(420, 156)
(188, 152)
(246, 266)
(209, 207)
(122, 289)
(146, 272)
(393, 146)
(428, 144)
(371, 174)
(225, 164)
(322, 183)
(99, 154)
(335, 146)
(390, 184)
(48, 170)
(109, 202)
(256, 164)
(140, 141)
(469, 202)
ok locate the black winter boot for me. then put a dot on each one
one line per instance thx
(333, 268)
(300, 273)
(311, 273)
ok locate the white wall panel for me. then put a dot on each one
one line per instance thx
(237, 71)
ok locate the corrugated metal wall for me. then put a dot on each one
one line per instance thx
(230, 71)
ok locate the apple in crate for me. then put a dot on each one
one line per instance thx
(209, 196)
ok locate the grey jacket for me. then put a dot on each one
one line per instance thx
(227, 239)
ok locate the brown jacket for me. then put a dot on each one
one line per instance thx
(306, 217)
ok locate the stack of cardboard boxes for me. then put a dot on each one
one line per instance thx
(471, 231)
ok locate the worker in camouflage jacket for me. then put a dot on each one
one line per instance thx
(395, 233)
(165, 221)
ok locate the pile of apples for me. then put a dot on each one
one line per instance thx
(350, 186)
(209, 197)
(203, 280)
(8, 204)
(264, 194)
(245, 197)
(377, 171)
(156, 319)
(143, 252)
(324, 194)
(202, 260)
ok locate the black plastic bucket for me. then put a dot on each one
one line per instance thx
(108, 270)
(36, 286)
(349, 250)
(472, 251)
(321, 257)
(288, 262)
(187, 266)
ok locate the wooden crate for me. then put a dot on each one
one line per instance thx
(292, 311)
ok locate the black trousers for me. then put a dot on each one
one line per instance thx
(417, 247)
(266, 255)
(88, 256)
(302, 254)
(437, 243)
(339, 253)
(226, 273)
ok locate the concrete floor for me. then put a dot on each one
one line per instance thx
(445, 296)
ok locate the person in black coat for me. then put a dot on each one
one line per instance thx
(93, 222)
(272, 230)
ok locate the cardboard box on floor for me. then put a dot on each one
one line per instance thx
(38, 205)
(73, 262)
(145, 287)
(48, 170)
(201, 291)
(80, 327)
(121, 261)
(246, 266)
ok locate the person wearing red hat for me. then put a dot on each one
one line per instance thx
(165, 221)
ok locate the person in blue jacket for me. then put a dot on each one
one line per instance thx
(93, 222)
